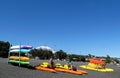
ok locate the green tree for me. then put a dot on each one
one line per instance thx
(74, 57)
(116, 60)
(82, 58)
(42, 54)
(89, 55)
(108, 59)
(4, 49)
(33, 52)
(60, 54)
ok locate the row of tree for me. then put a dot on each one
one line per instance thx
(46, 54)
(61, 55)
(41, 54)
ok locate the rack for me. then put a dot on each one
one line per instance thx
(18, 59)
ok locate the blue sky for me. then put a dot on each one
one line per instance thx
(75, 26)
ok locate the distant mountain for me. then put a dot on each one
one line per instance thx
(46, 48)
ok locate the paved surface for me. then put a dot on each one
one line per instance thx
(11, 71)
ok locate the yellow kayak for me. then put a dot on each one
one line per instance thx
(22, 58)
(100, 70)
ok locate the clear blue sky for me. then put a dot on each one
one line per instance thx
(75, 26)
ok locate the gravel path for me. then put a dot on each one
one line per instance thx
(11, 71)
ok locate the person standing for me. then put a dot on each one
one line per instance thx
(51, 62)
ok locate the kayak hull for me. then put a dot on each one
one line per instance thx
(78, 72)
(100, 70)
(45, 69)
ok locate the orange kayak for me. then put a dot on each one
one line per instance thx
(78, 72)
(45, 69)
(84, 72)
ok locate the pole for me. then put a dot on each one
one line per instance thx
(9, 55)
(19, 53)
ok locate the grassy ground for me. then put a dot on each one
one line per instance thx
(11, 71)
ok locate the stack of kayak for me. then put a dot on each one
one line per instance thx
(59, 68)
(65, 68)
(18, 59)
(97, 64)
